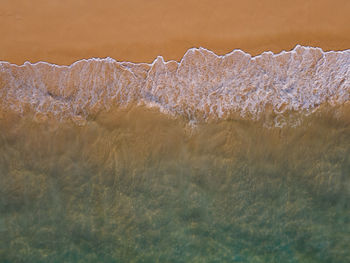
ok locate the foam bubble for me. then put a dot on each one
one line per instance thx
(201, 86)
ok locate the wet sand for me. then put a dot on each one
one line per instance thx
(63, 31)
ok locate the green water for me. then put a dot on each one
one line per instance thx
(140, 187)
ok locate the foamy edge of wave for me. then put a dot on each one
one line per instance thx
(201, 86)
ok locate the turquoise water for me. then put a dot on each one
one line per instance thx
(142, 187)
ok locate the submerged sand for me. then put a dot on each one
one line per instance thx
(135, 186)
(63, 31)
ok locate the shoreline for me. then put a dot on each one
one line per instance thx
(62, 32)
(177, 61)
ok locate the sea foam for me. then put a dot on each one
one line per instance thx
(201, 86)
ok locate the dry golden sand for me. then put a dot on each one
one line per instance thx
(63, 31)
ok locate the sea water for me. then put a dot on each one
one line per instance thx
(211, 159)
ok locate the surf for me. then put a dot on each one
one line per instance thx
(202, 86)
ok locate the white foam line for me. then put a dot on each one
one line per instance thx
(112, 60)
(306, 78)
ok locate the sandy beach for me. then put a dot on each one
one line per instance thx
(63, 31)
(214, 159)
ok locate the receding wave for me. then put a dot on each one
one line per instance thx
(201, 86)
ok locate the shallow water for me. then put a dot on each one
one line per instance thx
(211, 159)
(134, 185)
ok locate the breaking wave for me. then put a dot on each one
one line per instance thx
(200, 87)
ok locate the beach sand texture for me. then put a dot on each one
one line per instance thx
(63, 31)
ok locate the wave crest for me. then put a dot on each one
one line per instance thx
(201, 86)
